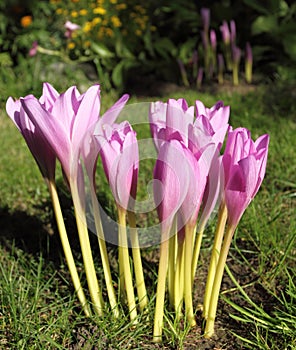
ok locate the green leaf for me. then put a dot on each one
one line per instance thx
(101, 50)
(165, 48)
(186, 49)
(265, 24)
(257, 5)
(121, 50)
(119, 70)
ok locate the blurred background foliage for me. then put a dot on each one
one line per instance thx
(125, 43)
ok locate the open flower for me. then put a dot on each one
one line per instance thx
(168, 118)
(64, 120)
(70, 28)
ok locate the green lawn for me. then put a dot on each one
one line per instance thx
(38, 309)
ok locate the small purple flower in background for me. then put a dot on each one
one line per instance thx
(70, 28)
(236, 57)
(34, 48)
(205, 18)
(225, 33)
(232, 32)
(199, 78)
(213, 40)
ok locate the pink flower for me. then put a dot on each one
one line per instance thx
(244, 163)
(33, 50)
(217, 116)
(120, 157)
(64, 120)
(248, 53)
(90, 147)
(38, 145)
(236, 54)
(225, 33)
(172, 175)
(205, 18)
(70, 28)
(232, 32)
(168, 118)
(213, 39)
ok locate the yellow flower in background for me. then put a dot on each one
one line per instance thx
(121, 7)
(59, 11)
(74, 14)
(113, 1)
(109, 32)
(87, 43)
(140, 9)
(83, 12)
(96, 21)
(87, 27)
(99, 11)
(115, 21)
(71, 45)
(26, 21)
(138, 32)
(75, 0)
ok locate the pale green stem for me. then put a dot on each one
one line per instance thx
(104, 254)
(222, 217)
(179, 278)
(140, 281)
(248, 72)
(123, 247)
(121, 271)
(161, 284)
(66, 247)
(189, 230)
(229, 63)
(93, 284)
(172, 263)
(209, 330)
(196, 252)
(235, 70)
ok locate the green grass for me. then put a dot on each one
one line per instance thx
(38, 309)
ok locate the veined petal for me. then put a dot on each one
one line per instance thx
(172, 185)
(49, 96)
(249, 169)
(125, 170)
(52, 129)
(35, 140)
(62, 110)
(13, 110)
(87, 114)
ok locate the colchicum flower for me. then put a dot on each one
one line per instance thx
(64, 120)
(244, 164)
(120, 157)
(45, 158)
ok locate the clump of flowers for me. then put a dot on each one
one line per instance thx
(214, 58)
(191, 176)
